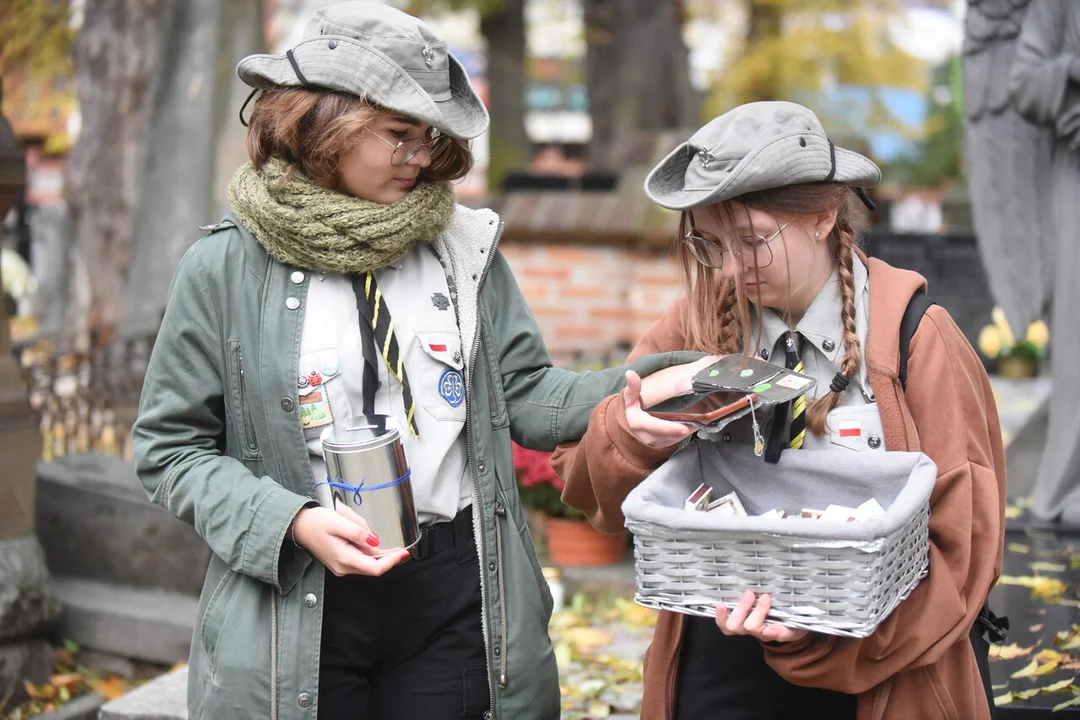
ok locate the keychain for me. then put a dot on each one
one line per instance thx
(759, 442)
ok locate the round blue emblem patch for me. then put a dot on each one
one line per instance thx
(452, 387)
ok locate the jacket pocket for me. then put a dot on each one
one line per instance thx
(856, 427)
(217, 609)
(248, 440)
(441, 371)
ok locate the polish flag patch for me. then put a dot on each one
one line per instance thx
(850, 428)
(437, 348)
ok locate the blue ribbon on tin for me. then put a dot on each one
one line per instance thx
(357, 489)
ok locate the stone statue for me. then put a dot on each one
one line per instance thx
(1022, 107)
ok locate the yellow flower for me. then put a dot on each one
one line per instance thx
(1038, 334)
(990, 341)
(1007, 336)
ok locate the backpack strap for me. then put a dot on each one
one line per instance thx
(918, 305)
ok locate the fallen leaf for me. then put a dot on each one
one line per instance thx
(1018, 548)
(1027, 671)
(1012, 512)
(1067, 704)
(1003, 699)
(1047, 588)
(1048, 656)
(1036, 628)
(1043, 566)
(65, 680)
(1058, 686)
(599, 709)
(1026, 694)
(1002, 686)
(586, 639)
(1009, 652)
(112, 688)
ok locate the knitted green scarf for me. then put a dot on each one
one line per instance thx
(306, 225)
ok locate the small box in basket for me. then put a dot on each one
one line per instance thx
(830, 577)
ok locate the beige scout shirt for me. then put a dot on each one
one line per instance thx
(855, 422)
(331, 371)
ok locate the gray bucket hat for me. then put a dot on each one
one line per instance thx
(371, 49)
(757, 146)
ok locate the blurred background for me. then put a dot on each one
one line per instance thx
(124, 132)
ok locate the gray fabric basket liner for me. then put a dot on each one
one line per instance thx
(840, 578)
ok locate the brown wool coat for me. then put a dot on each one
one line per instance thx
(919, 662)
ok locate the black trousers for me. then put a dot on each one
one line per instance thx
(408, 645)
(726, 677)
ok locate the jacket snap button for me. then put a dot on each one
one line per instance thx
(297, 277)
(498, 651)
(310, 600)
(727, 437)
(874, 442)
(829, 345)
(491, 566)
(481, 467)
(764, 353)
(489, 715)
(287, 404)
(292, 303)
(303, 700)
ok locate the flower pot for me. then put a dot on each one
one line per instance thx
(577, 543)
(1018, 367)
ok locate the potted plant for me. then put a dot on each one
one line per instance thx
(1015, 358)
(571, 540)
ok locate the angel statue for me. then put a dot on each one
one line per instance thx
(1021, 62)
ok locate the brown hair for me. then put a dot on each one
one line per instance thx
(723, 329)
(311, 129)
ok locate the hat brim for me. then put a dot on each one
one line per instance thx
(361, 70)
(781, 162)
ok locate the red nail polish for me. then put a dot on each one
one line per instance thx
(372, 541)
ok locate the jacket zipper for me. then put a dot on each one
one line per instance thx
(471, 454)
(249, 425)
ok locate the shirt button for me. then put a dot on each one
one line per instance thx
(292, 303)
(828, 345)
(874, 442)
(310, 600)
(764, 353)
(304, 700)
(287, 404)
(297, 277)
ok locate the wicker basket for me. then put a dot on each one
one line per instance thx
(837, 578)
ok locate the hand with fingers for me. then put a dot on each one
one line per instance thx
(341, 540)
(661, 385)
(748, 618)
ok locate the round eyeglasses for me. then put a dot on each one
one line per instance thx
(406, 150)
(755, 251)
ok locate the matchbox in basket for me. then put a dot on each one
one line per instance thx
(841, 578)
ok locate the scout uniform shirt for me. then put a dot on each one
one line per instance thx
(331, 370)
(854, 423)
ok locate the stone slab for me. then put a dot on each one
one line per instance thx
(25, 601)
(163, 698)
(95, 521)
(152, 625)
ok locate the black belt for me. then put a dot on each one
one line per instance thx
(445, 535)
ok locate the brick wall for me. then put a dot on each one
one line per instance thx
(594, 302)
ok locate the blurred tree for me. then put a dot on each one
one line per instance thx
(937, 158)
(37, 37)
(637, 72)
(158, 140)
(800, 47)
(502, 23)
(115, 56)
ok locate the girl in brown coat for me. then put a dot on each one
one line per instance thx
(769, 255)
